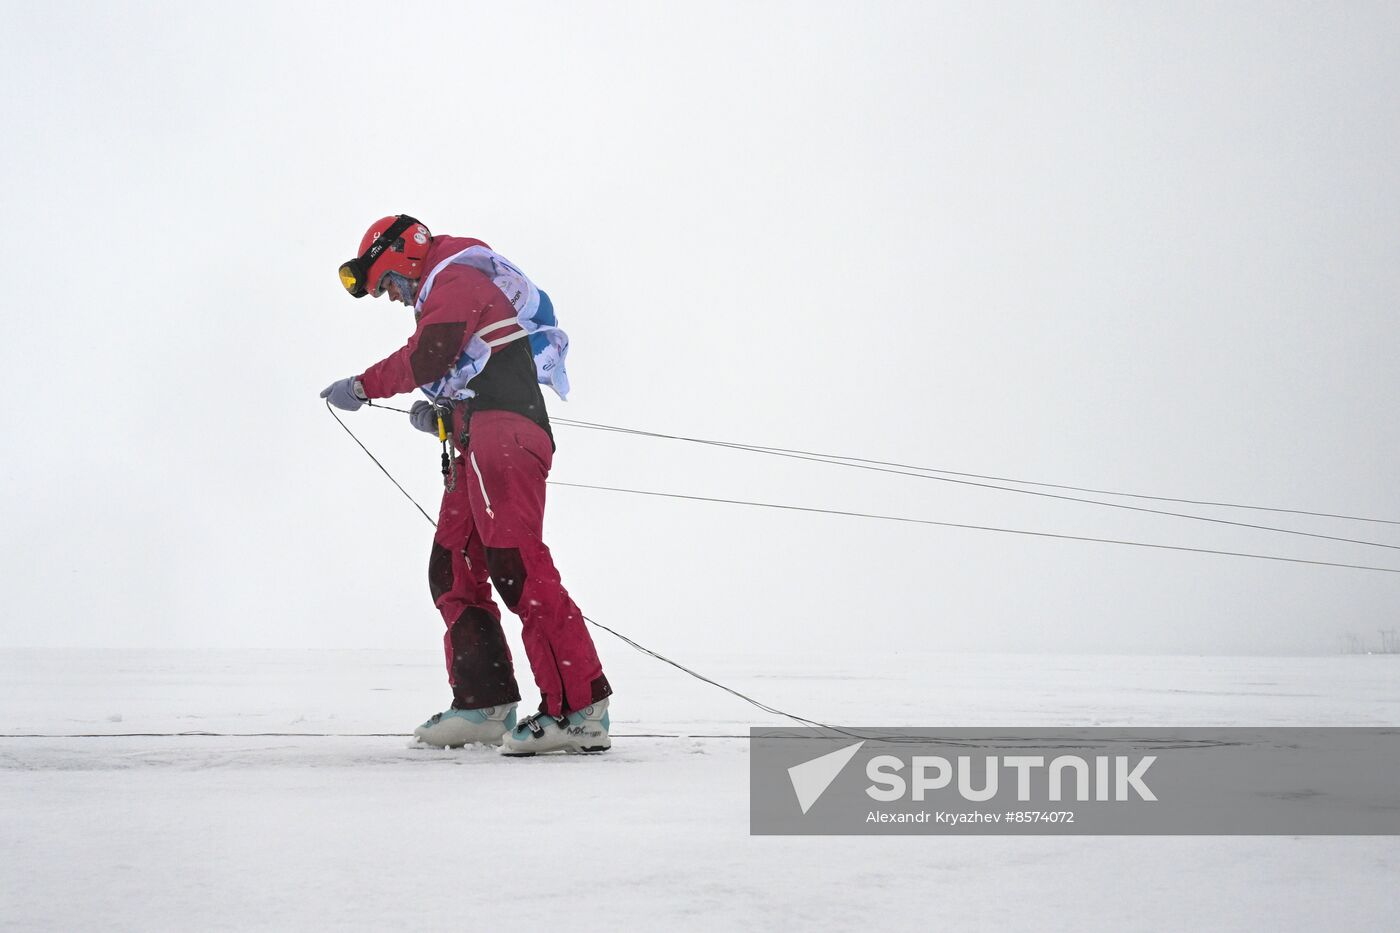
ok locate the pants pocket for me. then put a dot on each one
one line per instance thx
(536, 444)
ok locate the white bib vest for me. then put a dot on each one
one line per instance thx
(534, 314)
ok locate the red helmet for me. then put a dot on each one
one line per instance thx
(405, 251)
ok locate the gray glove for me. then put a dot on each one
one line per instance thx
(347, 394)
(424, 417)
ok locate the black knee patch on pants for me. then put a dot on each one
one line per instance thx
(440, 571)
(507, 572)
(482, 674)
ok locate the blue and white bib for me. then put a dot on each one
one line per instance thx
(534, 313)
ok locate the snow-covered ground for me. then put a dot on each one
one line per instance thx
(343, 826)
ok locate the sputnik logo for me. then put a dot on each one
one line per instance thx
(811, 778)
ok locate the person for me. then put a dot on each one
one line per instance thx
(485, 340)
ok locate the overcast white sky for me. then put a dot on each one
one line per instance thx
(1139, 246)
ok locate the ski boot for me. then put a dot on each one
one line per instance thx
(453, 728)
(581, 732)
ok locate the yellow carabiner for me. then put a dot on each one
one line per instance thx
(442, 427)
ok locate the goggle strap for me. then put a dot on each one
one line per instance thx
(386, 240)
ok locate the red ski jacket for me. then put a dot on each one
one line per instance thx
(463, 301)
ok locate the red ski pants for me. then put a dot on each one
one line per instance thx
(490, 528)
